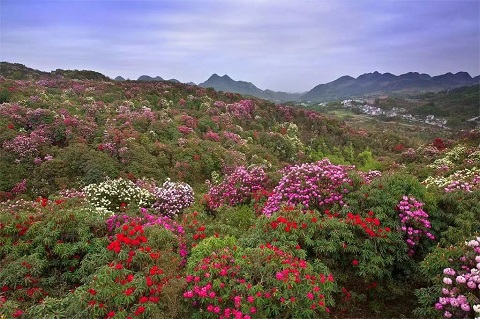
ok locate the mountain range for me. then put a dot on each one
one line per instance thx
(377, 84)
(368, 84)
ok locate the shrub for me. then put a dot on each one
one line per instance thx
(113, 195)
(237, 188)
(47, 248)
(142, 268)
(172, 198)
(455, 276)
(264, 282)
(414, 222)
(316, 185)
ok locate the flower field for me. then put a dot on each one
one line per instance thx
(165, 200)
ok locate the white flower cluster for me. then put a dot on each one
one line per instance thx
(112, 195)
(466, 179)
(441, 163)
(476, 308)
(455, 153)
(172, 198)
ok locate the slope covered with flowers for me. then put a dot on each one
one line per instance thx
(163, 200)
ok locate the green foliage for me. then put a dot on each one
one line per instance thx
(45, 248)
(232, 221)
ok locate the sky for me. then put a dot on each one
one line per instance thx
(282, 45)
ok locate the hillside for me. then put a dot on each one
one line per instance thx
(19, 71)
(157, 199)
(97, 129)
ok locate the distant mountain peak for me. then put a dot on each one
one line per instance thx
(148, 78)
(227, 84)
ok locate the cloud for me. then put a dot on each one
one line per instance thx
(282, 45)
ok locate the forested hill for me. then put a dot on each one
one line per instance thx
(58, 132)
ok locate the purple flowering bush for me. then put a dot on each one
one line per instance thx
(316, 185)
(172, 198)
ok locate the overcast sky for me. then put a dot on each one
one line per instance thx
(283, 45)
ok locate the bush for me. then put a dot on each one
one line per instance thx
(172, 198)
(264, 282)
(237, 188)
(139, 278)
(114, 195)
(455, 276)
(47, 248)
(363, 253)
(314, 185)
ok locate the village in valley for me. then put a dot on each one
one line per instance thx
(366, 106)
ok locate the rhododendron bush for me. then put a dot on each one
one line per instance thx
(237, 188)
(313, 185)
(227, 281)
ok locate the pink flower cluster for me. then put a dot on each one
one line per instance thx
(233, 137)
(370, 175)
(185, 130)
(316, 185)
(20, 187)
(25, 145)
(458, 284)
(237, 187)
(223, 285)
(458, 185)
(414, 222)
(212, 136)
(241, 110)
(189, 121)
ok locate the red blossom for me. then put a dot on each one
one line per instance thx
(139, 310)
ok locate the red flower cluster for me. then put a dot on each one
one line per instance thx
(42, 200)
(371, 225)
(282, 220)
(191, 223)
(132, 236)
(133, 240)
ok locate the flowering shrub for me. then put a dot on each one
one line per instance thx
(212, 136)
(25, 145)
(185, 130)
(113, 195)
(227, 281)
(142, 268)
(455, 273)
(464, 180)
(343, 242)
(237, 188)
(172, 198)
(242, 110)
(237, 139)
(370, 175)
(313, 185)
(46, 249)
(414, 222)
